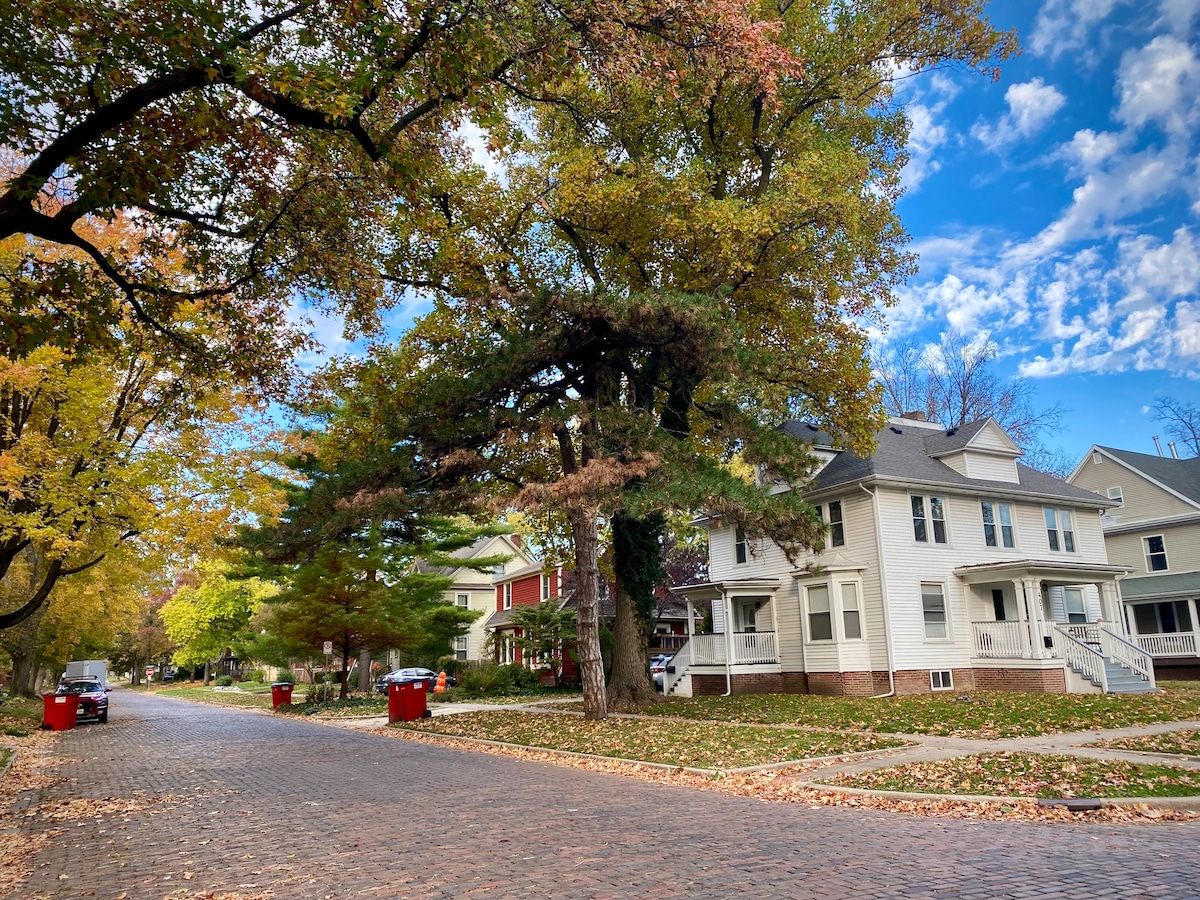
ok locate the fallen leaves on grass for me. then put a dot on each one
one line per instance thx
(1029, 775)
(1185, 742)
(977, 714)
(703, 745)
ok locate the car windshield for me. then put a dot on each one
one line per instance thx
(79, 687)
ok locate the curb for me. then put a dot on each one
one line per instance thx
(1179, 804)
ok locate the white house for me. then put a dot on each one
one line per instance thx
(947, 565)
(1154, 528)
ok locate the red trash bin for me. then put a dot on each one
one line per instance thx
(281, 693)
(59, 711)
(406, 701)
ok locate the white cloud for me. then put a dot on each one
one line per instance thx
(1031, 105)
(924, 137)
(1064, 25)
(1177, 15)
(1159, 83)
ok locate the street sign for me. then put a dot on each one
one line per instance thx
(328, 647)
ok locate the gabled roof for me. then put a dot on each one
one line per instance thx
(1181, 476)
(907, 453)
(473, 551)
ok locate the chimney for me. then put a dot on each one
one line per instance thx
(516, 538)
(1174, 452)
(1158, 445)
(916, 415)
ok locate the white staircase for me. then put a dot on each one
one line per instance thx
(1105, 658)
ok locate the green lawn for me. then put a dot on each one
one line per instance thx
(1030, 775)
(978, 714)
(20, 715)
(260, 699)
(704, 745)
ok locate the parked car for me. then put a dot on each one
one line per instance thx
(93, 697)
(658, 668)
(404, 676)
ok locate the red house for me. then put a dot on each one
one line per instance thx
(529, 586)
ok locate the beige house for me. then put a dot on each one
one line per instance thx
(1154, 528)
(473, 589)
(948, 565)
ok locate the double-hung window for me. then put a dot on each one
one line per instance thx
(997, 523)
(545, 587)
(740, 547)
(463, 600)
(1073, 604)
(1156, 554)
(851, 621)
(508, 595)
(933, 609)
(929, 519)
(820, 618)
(837, 531)
(1059, 530)
(460, 646)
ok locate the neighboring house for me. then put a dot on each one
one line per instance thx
(473, 589)
(1155, 529)
(948, 565)
(527, 586)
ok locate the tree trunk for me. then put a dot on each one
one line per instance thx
(24, 655)
(344, 687)
(637, 554)
(587, 593)
(364, 670)
(629, 686)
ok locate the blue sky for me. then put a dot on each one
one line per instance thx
(1055, 211)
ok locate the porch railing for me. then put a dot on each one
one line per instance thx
(1084, 657)
(1005, 640)
(1116, 647)
(677, 667)
(749, 648)
(1181, 644)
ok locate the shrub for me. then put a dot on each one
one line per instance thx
(224, 680)
(285, 675)
(254, 675)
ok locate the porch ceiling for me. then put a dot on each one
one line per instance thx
(1061, 572)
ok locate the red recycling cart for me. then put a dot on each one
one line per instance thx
(406, 701)
(281, 693)
(59, 711)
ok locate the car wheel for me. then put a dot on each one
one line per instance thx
(103, 717)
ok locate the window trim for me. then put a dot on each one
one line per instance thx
(508, 592)
(857, 610)
(1116, 493)
(465, 640)
(741, 547)
(927, 521)
(1000, 530)
(1150, 554)
(545, 586)
(837, 526)
(946, 637)
(948, 681)
(1081, 613)
(462, 599)
(1055, 528)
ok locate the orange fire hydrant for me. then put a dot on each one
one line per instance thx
(441, 683)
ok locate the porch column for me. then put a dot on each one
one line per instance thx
(1037, 618)
(691, 618)
(1110, 604)
(1023, 617)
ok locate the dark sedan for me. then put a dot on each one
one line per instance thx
(93, 697)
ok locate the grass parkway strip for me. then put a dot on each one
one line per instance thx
(701, 745)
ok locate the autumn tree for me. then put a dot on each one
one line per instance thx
(672, 266)
(1181, 421)
(107, 437)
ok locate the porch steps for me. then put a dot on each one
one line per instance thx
(1122, 681)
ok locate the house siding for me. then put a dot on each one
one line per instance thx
(1182, 543)
(479, 585)
(1142, 498)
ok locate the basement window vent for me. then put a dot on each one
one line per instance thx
(941, 680)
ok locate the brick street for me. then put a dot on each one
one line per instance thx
(312, 811)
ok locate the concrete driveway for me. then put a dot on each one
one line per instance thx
(306, 810)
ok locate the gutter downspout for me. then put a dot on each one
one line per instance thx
(887, 619)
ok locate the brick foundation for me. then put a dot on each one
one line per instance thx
(1034, 681)
(757, 683)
